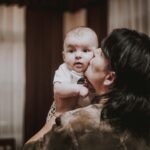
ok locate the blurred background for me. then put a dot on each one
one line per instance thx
(31, 43)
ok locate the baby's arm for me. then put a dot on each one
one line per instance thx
(65, 90)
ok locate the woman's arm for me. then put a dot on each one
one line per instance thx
(47, 127)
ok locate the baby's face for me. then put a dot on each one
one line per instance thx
(78, 51)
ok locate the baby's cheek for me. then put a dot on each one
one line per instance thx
(91, 55)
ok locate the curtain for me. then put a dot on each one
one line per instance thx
(97, 19)
(59, 5)
(84, 17)
(74, 19)
(35, 67)
(43, 56)
(44, 44)
(12, 74)
(134, 14)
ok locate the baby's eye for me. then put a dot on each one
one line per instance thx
(86, 50)
(71, 50)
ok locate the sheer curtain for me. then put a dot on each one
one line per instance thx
(73, 19)
(12, 72)
(134, 14)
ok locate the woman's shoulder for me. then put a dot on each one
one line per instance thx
(83, 129)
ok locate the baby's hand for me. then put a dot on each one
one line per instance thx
(83, 91)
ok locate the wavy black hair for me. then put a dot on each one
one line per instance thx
(128, 107)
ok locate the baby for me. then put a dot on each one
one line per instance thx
(79, 45)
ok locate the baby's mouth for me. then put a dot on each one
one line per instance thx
(78, 64)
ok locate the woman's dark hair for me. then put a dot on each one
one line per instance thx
(128, 107)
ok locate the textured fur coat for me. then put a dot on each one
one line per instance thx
(82, 129)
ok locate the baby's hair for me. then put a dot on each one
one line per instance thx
(80, 31)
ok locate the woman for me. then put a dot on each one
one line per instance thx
(128, 105)
(120, 74)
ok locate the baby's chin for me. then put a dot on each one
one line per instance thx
(79, 70)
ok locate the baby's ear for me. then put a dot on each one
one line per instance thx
(109, 79)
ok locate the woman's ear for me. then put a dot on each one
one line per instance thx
(109, 79)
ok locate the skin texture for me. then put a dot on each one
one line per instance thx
(78, 51)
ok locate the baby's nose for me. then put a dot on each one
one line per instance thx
(78, 54)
